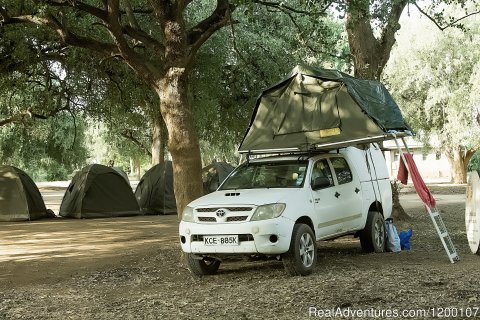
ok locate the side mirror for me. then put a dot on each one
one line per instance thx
(320, 183)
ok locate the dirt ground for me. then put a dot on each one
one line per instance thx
(130, 268)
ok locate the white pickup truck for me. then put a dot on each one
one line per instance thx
(281, 205)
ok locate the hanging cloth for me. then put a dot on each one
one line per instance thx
(417, 180)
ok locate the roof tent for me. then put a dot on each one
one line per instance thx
(98, 191)
(155, 193)
(322, 109)
(214, 174)
(19, 196)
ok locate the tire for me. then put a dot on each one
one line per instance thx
(202, 267)
(301, 257)
(373, 236)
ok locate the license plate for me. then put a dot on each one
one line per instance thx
(221, 240)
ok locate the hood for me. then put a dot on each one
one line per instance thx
(255, 197)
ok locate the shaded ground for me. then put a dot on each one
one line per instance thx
(129, 268)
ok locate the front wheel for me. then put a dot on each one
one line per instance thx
(372, 237)
(301, 257)
(202, 266)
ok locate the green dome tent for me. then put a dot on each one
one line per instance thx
(122, 173)
(98, 191)
(214, 174)
(155, 193)
(20, 199)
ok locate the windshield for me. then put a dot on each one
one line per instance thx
(283, 174)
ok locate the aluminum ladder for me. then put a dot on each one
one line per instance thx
(443, 234)
(435, 216)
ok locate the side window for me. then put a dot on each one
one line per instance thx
(321, 169)
(342, 170)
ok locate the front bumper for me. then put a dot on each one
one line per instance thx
(254, 236)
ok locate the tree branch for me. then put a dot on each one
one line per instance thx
(437, 24)
(281, 5)
(144, 38)
(119, 48)
(94, 11)
(29, 114)
(128, 134)
(66, 36)
(200, 33)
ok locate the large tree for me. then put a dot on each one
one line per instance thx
(154, 40)
(372, 26)
(159, 40)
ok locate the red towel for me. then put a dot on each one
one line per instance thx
(402, 174)
(418, 182)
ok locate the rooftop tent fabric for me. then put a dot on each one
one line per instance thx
(98, 191)
(321, 108)
(155, 193)
(214, 174)
(20, 198)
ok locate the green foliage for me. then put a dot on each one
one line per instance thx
(49, 149)
(474, 164)
(436, 87)
(240, 61)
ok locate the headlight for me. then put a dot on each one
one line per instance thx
(268, 211)
(188, 214)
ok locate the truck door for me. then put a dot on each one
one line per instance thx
(348, 196)
(324, 200)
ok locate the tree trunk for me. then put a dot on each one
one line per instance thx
(158, 145)
(183, 142)
(135, 167)
(398, 213)
(371, 54)
(163, 142)
(139, 171)
(459, 159)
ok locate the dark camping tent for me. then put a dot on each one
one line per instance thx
(155, 193)
(214, 174)
(322, 109)
(98, 191)
(122, 173)
(19, 196)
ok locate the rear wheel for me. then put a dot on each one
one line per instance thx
(301, 258)
(372, 237)
(202, 266)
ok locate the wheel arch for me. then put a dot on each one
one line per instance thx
(376, 206)
(306, 220)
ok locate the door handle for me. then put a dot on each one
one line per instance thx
(337, 194)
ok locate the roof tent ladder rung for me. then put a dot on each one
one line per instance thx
(434, 214)
(444, 237)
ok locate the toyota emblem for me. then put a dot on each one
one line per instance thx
(220, 213)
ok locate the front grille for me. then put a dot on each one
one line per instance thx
(241, 237)
(238, 218)
(207, 219)
(207, 209)
(236, 209)
(232, 209)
